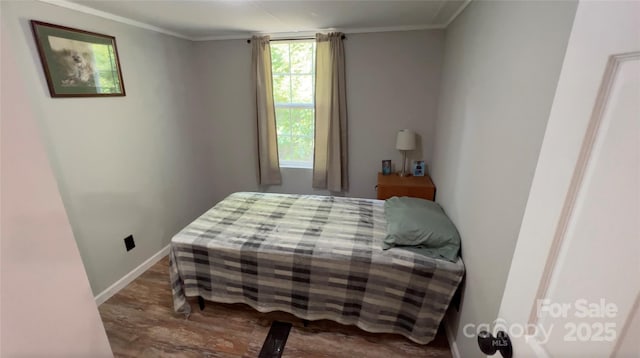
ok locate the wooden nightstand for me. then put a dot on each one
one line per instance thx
(395, 185)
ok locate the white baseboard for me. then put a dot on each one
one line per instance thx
(451, 337)
(128, 278)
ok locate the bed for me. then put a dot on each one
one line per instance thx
(316, 257)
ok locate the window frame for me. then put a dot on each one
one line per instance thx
(298, 164)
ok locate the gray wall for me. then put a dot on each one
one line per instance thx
(183, 137)
(392, 83)
(127, 165)
(47, 306)
(501, 66)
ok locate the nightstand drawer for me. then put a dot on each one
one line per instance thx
(386, 192)
(416, 187)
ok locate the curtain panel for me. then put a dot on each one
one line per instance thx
(268, 161)
(330, 148)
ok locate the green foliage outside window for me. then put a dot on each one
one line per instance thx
(293, 84)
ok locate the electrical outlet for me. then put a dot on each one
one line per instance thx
(129, 243)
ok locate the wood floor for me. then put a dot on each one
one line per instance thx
(140, 322)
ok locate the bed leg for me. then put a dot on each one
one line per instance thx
(201, 303)
(305, 322)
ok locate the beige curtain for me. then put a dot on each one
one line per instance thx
(330, 147)
(268, 162)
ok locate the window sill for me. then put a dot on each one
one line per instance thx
(296, 165)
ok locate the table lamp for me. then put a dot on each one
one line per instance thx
(405, 141)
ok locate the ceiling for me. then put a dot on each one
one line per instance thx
(232, 19)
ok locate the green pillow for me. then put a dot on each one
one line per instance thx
(421, 223)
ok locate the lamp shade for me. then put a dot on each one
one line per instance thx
(406, 140)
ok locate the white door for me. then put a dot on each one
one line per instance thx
(574, 285)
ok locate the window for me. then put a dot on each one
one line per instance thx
(293, 69)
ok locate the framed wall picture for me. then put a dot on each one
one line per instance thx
(418, 168)
(386, 167)
(78, 63)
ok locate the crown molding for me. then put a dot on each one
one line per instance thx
(458, 12)
(363, 30)
(227, 37)
(312, 33)
(125, 20)
(110, 16)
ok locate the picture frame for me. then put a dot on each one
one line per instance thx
(418, 168)
(386, 167)
(78, 63)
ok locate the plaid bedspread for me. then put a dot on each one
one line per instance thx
(317, 257)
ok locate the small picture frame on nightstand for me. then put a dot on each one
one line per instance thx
(418, 168)
(386, 167)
